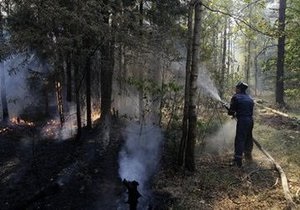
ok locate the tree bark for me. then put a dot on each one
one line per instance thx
(223, 68)
(182, 148)
(141, 73)
(59, 87)
(192, 129)
(256, 74)
(280, 54)
(5, 115)
(88, 92)
(106, 74)
(77, 98)
(59, 99)
(248, 61)
(46, 98)
(69, 77)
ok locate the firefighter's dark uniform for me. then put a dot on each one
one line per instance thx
(241, 106)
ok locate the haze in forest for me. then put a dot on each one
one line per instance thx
(140, 155)
(222, 139)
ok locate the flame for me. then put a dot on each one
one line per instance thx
(3, 130)
(95, 115)
(51, 128)
(19, 121)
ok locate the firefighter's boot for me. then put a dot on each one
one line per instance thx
(248, 156)
(236, 162)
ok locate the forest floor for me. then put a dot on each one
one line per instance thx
(38, 173)
(215, 185)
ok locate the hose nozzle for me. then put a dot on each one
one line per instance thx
(225, 105)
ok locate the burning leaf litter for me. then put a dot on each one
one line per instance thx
(19, 121)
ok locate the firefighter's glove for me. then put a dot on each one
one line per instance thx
(225, 105)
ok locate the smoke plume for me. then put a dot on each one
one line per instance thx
(139, 157)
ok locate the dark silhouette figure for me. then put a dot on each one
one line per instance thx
(133, 193)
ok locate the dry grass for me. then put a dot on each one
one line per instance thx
(215, 185)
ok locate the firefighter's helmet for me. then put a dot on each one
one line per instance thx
(242, 86)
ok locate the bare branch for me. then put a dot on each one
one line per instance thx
(236, 18)
(250, 4)
(264, 49)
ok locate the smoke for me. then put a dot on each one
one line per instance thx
(127, 105)
(206, 84)
(15, 82)
(139, 157)
(17, 70)
(222, 140)
(53, 129)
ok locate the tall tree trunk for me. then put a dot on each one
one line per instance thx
(77, 97)
(156, 77)
(121, 78)
(69, 76)
(215, 41)
(59, 88)
(229, 54)
(248, 49)
(223, 68)
(88, 92)
(46, 98)
(5, 115)
(248, 64)
(106, 80)
(183, 143)
(141, 72)
(256, 73)
(192, 129)
(106, 74)
(59, 99)
(280, 54)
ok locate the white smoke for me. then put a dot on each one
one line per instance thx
(139, 157)
(221, 140)
(206, 84)
(16, 69)
(127, 105)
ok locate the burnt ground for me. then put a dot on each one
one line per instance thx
(39, 173)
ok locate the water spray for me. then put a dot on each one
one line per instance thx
(207, 85)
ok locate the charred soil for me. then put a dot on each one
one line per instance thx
(38, 173)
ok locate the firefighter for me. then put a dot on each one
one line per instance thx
(241, 107)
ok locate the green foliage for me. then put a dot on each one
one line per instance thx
(151, 87)
(172, 86)
(293, 93)
(49, 26)
(166, 13)
(206, 127)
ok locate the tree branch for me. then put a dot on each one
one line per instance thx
(248, 5)
(236, 18)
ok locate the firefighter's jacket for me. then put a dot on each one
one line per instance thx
(241, 105)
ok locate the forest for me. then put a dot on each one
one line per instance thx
(123, 104)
